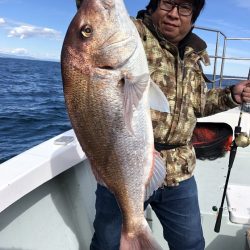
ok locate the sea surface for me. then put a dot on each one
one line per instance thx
(32, 105)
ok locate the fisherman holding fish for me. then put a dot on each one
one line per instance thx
(175, 56)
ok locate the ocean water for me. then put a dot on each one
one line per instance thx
(31, 104)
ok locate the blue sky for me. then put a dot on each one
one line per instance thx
(37, 28)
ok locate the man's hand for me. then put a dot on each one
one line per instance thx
(241, 92)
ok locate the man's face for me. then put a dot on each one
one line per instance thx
(171, 23)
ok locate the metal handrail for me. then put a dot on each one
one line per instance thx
(223, 57)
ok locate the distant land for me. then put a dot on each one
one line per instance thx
(13, 56)
(3, 55)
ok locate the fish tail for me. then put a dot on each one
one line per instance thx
(143, 240)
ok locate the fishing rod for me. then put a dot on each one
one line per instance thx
(240, 140)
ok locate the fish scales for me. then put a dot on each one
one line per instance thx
(109, 140)
(106, 83)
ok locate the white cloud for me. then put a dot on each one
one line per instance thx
(27, 31)
(19, 51)
(22, 31)
(2, 21)
(14, 51)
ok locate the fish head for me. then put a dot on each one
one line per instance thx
(101, 35)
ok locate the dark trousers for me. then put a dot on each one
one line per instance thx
(176, 207)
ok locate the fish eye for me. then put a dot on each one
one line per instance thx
(86, 31)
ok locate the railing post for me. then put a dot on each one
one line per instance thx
(215, 58)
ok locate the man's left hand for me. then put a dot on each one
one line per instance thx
(241, 92)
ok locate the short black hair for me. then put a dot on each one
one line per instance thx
(197, 4)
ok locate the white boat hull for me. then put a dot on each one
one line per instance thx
(47, 198)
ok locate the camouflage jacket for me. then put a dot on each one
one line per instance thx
(183, 83)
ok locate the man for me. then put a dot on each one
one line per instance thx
(174, 56)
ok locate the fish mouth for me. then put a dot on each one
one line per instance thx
(106, 67)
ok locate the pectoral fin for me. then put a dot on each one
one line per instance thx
(134, 88)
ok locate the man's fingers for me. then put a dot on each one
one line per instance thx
(246, 94)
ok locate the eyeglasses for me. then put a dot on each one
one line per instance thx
(184, 9)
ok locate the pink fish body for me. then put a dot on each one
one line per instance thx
(106, 86)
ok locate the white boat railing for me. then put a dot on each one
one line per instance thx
(223, 56)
